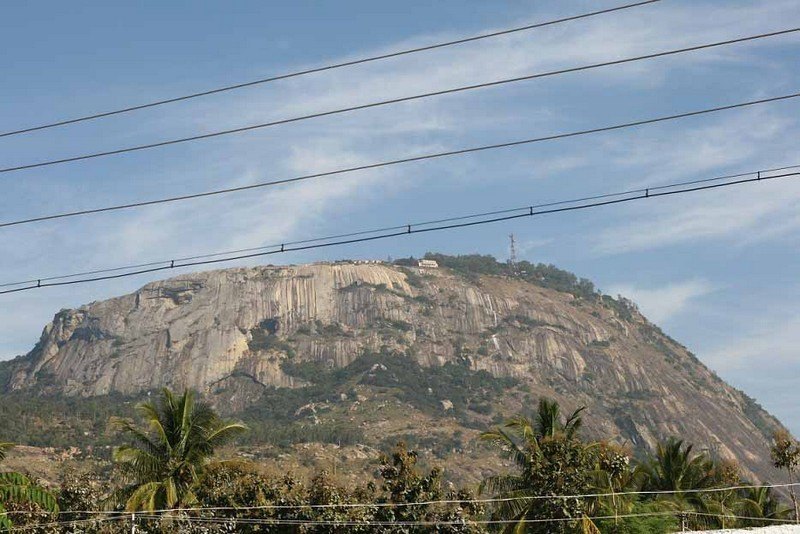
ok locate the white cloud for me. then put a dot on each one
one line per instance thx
(659, 304)
(762, 139)
(769, 343)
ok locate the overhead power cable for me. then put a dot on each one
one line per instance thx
(147, 516)
(322, 69)
(433, 523)
(408, 229)
(437, 502)
(763, 172)
(388, 163)
(233, 520)
(400, 522)
(381, 103)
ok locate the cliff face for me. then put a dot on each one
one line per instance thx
(231, 334)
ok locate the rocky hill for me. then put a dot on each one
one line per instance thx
(362, 353)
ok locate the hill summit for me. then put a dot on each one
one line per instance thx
(387, 350)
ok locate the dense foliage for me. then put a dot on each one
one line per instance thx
(541, 274)
(18, 493)
(164, 460)
(61, 421)
(558, 483)
(277, 417)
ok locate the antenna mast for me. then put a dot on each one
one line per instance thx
(512, 258)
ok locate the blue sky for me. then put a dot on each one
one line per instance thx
(718, 271)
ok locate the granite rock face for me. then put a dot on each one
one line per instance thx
(232, 331)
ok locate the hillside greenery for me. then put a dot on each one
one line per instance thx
(541, 274)
(44, 419)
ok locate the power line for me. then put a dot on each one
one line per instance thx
(467, 522)
(36, 526)
(381, 103)
(145, 516)
(399, 161)
(408, 229)
(150, 516)
(398, 523)
(493, 500)
(322, 69)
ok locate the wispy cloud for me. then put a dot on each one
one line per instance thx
(771, 343)
(659, 304)
(758, 139)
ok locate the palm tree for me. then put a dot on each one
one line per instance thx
(16, 487)
(164, 461)
(676, 469)
(761, 503)
(549, 460)
(548, 420)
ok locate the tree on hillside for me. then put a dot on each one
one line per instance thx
(18, 488)
(762, 504)
(548, 420)
(786, 455)
(403, 484)
(675, 468)
(167, 455)
(550, 462)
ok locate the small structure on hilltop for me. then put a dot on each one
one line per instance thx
(428, 264)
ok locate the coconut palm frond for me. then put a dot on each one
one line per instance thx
(501, 484)
(574, 423)
(225, 434)
(508, 446)
(548, 417)
(146, 497)
(26, 491)
(167, 454)
(5, 522)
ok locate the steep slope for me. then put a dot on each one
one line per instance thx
(462, 349)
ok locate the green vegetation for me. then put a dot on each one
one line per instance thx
(59, 421)
(399, 376)
(20, 493)
(284, 416)
(164, 461)
(5, 373)
(49, 420)
(551, 461)
(558, 483)
(264, 338)
(541, 274)
(786, 455)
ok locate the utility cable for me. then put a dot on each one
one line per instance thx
(381, 103)
(762, 172)
(400, 230)
(494, 500)
(408, 159)
(320, 69)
